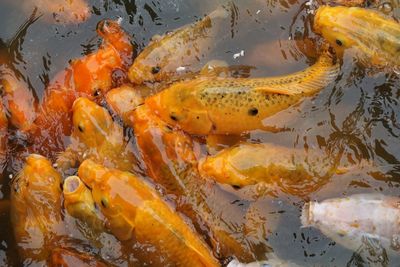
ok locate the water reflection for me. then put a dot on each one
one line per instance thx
(353, 121)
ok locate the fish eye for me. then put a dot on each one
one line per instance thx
(173, 117)
(253, 111)
(155, 70)
(104, 202)
(81, 128)
(96, 92)
(338, 42)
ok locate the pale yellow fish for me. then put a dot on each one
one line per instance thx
(373, 35)
(294, 171)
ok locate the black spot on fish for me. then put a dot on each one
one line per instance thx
(104, 202)
(81, 128)
(155, 70)
(173, 117)
(338, 42)
(253, 111)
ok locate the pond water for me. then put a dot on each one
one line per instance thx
(354, 119)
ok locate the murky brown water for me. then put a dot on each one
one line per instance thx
(353, 119)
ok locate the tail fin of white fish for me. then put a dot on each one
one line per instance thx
(305, 215)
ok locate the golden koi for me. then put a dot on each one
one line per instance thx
(233, 106)
(19, 100)
(294, 171)
(95, 135)
(375, 36)
(36, 208)
(134, 210)
(170, 157)
(163, 58)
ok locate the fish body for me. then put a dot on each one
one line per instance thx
(36, 209)
(19, 100)
(171, 158)
(294, 171)
(133, 210)
(163, 58)
(373, 35)
(219, 105)
(123, 100)
(95, 135)
(351, 221)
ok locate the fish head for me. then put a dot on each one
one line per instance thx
(92, 124)
(110, 191)
(337, 27)
(178, 106)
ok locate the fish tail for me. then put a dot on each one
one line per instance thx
(306, 215)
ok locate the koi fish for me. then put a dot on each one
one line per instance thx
(19, 100)
(171, 158)
(95, 135)
(90, 77)
(375, 36)
(133, 210)
(36, 208)
(3, 137)
(352, 221)
(235, 105)
(294, 171)
(171, 56)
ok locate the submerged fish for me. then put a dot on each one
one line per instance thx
(3, 138)
(171, 56)
(19, 100)
(66, 257)
(133, 210)
(96, 136)
(352, 221)
(373, 35)
(170, 157)
(36, 209)
(234, 105)
(63, 11)
(294, 171)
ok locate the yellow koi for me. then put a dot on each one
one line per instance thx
(134, 210)
(36, 208)
(95, 135)
(294, 171)
(235, 105)
(374, 35)
(173, 55)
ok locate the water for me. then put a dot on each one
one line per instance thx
(355, 119)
